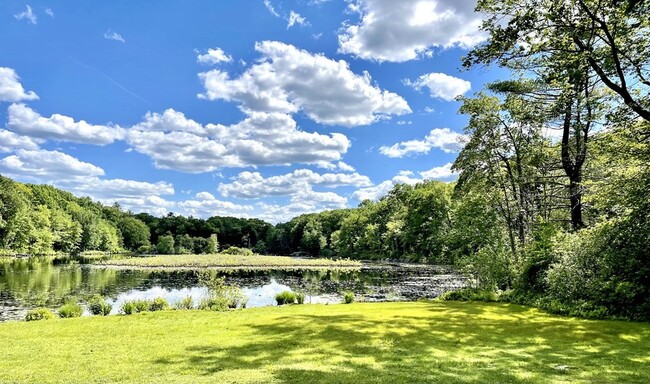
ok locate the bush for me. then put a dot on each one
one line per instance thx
(470, 294)
(285, 297)
(128, 308)
(70, 310)
(39, 314)
(237, 251)
(158, 304)
(348, 297)
(220, 295)
(186, 303)
(135, 306)
(98, 306)
(300, 298)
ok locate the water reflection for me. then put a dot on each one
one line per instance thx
(29, 283)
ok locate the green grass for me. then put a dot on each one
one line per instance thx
(228, 261)
(425, 342)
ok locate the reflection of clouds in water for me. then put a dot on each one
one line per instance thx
(257, 297)
(171, 295)
(264, 295)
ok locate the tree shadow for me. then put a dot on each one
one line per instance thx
(462, 344)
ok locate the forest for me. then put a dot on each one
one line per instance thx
(550, 208)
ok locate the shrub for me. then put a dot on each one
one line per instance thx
(348, 297)
(158, 304)
(70, 310)
(237, 251)
(186, 303)
(128, 308)
(39, 314)
(220, 295)
(97, 305)
(135, 306)
(285, 297)
(469, 294)
(300, 298)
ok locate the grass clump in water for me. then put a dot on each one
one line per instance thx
(39, 314)
(285, 297)
(97, 305)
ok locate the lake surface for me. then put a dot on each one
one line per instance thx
(39, 282)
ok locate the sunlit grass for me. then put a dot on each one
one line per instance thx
(438, 342)
(228, 261)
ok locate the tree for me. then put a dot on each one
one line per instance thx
(165, 245)
(213, 244)
(611, 37)
(135, 233)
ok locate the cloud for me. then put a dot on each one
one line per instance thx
(46, 166)
(439, 173)
(442, 138)
(295, 18)
(10, 88)
(252, 185)
(345, 167)
(403, 30)
(269, 7)
(9, 142)
(112, 35)
(28, 15)
(49, 12)
(26, 121)
(286, 79)
(442, 173)
(441, 86)
(213, 56)
(175, 142)
(381, 189)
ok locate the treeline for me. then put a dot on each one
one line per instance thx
(42, 220)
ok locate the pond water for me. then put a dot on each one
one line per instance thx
(39, 282)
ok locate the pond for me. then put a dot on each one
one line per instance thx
(47, 282)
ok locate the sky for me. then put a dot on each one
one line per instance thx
(255, 108)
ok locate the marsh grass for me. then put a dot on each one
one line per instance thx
(228, 261)
(423, 342)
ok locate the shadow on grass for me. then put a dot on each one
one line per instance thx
(456, 344)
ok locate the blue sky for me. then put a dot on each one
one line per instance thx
(253, 108)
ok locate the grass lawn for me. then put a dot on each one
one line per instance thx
(432, 342)
(228, 261)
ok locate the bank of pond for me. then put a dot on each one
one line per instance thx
(53, 282)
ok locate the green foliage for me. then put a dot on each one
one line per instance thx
(348, 297)
(186, 303)
(128, 308)
(39, 314)
(221, 296)
(135, 233)
(285, 297)
(97, 305)
(136, 306)
(237, 251)
(165, 245)
(70, 310)
(300, 298)
(158, 304)
(469, 294)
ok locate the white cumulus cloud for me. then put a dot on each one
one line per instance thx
(10, 88)
(254, 185)
(403, 30)
(296, 18)
(442, 138)
(213, 56)
(24, 120)
(441, 86)
(176, 142)
(9, 142)
(287, 79)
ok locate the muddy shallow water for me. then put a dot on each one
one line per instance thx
(30, 283)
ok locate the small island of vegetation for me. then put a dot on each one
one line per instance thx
(229, 262)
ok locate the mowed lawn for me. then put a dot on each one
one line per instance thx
(423, 342)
